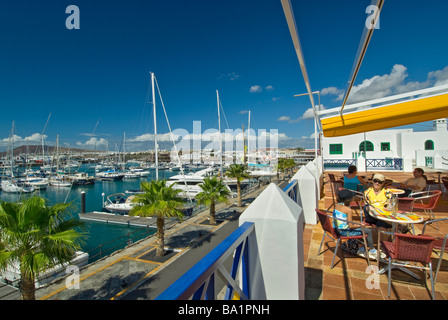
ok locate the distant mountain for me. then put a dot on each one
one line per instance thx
(37, 150)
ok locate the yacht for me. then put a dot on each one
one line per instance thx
(119, 203)
(81, 179)
(15, 186)
(60, 182)
(110, 175)
(11, 275)
(190, 183)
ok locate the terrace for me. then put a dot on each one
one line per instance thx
(347, 280)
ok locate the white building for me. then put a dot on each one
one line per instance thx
(425, 148)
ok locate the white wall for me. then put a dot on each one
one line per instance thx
(404, 143)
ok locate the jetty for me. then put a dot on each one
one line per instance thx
(136, 221)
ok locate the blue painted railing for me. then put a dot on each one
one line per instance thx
(339, 163)
(199, 282)
(395, 163)
(291, 190)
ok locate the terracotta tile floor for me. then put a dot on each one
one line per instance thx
(350, 279)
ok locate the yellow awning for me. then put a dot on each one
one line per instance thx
(394, 115)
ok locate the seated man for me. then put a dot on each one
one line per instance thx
(416, 184)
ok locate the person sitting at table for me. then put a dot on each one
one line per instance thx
(352, 181)
(377, 196)
(415, 184)
(343, 211)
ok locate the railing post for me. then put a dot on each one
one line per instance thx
(277, 241)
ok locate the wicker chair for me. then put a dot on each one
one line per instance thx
(408, 248)
(326, 221)
(439, 244)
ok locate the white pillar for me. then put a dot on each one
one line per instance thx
(407, 164)
(308, 193)
(276, 254)
(361, 164)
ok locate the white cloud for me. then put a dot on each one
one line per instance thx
(255, 89)
(34, 138)
(440, 76)
(92, 142)
(388, 85)
(269, 88)
(308, 114)
(150, 137)
(331, 90)
(231, 76)
(284, 118)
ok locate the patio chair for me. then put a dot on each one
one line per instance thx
(335, 186)
(326, 221)
(445, 184)
(427, 201)
(407, 204)
(439, 244)
(408, 248)
(429, 182)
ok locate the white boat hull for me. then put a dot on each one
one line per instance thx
(11, 274)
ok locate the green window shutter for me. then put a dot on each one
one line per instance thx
(429, 145)
(385, 146)
(336, 148)
(368, 144)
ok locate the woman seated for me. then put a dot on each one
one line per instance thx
(377, 196)
(354, 182)
(343, 211)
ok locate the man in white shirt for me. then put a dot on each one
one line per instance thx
(418, 183)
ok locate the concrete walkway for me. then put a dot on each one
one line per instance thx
(135, 272)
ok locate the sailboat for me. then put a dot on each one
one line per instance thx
(59, 181)
(9, 183)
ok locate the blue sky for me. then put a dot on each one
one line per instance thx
(94, 81)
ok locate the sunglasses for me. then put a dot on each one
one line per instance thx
(377, 181)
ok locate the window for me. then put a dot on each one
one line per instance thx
(429, 145)
(336, 148)
(385, 146)
(368, 144)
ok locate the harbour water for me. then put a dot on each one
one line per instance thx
(102, 238)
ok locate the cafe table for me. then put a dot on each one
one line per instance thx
(396, 190)
(399, 217)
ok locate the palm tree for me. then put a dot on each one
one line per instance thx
(213, 191)
(161, 201)
(238, 172)
(36, 237)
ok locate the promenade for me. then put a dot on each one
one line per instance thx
(135, 273)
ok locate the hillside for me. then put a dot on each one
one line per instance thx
(37, 149)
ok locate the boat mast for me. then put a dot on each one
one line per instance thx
(248, 138)
(244, 148)
(155, 126)
(12, 150)
(220, 136)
